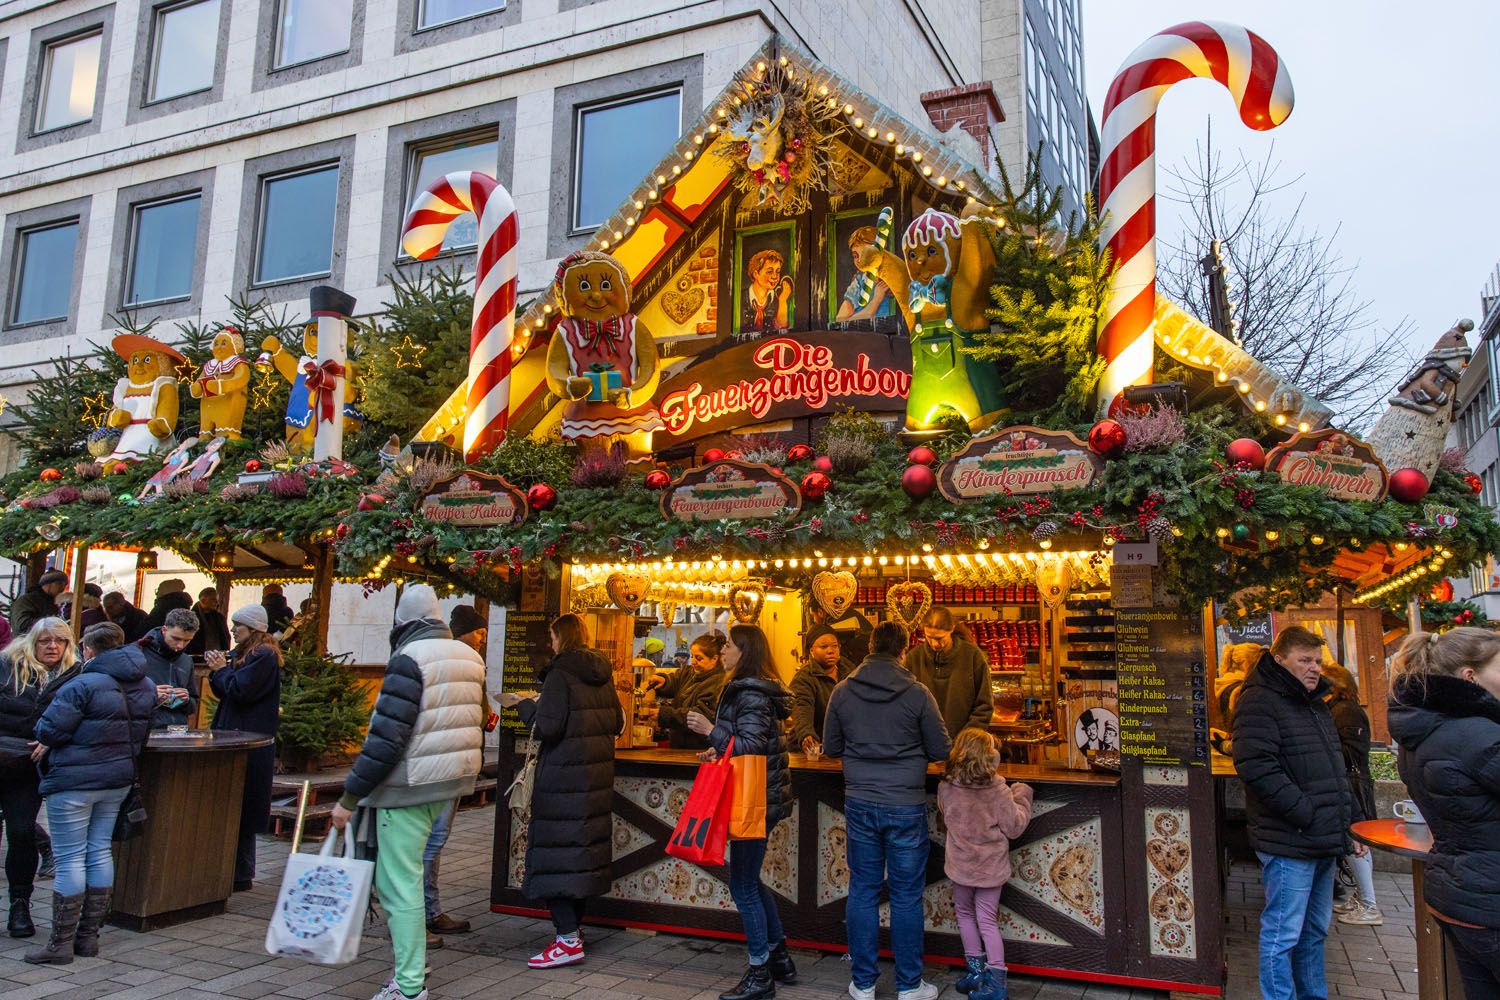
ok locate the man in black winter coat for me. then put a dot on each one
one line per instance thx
(38, 602)
(134, 622)
(1287, 752)
(886, 727)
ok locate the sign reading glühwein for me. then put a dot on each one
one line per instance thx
(1333, 462)
(731, 490)
(1019, 460)
(474, 500)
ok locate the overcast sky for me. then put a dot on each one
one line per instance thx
(1394, 132)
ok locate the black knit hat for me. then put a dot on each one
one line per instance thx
(817, 632)
(464, 620)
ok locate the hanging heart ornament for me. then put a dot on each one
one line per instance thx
(745, 602)
(908, 603)
(834, 591)
(1053, 580)
(627, 590)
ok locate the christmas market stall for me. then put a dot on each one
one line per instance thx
(820, 369)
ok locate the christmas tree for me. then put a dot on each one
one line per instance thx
(411, 360)
(323, 708)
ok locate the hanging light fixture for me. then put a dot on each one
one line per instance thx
(145, 559)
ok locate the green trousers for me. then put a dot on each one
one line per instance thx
(398, 878)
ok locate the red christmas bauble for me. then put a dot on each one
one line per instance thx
(1473, 482)
(541, 497)
(253, 465)
(799, 453)
(120, 469)
(1409, 485)
(657, 479)
(341, 532)
(815, 484)
(921, 455)
(823, 463)
(713, 455)
(1107, 438)
(370, 501)
(1248, 451)
(918, 481)
(50, 475)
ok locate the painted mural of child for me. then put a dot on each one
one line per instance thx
(866, 297)
(768, 296)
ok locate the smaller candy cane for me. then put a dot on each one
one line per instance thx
(1243, 62)
(492, 330)
(865, 283)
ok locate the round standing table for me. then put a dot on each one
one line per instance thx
(1437, 971)
(182, 867)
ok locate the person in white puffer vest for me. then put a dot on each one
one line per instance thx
(424, 748)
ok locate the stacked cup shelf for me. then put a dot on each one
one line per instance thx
(1089, 636)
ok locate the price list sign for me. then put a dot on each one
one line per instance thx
(528, 647)
(1162, 687)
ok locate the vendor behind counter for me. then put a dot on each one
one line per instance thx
(693, 688)
(813, 685)
(955, 670)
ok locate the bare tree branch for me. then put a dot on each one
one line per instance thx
(1298, 310)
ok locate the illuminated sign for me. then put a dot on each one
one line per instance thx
(1331, 461)
(1019, 460)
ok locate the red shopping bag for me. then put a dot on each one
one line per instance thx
(703, 827)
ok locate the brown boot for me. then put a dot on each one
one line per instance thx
(59, 947)
(95, 909)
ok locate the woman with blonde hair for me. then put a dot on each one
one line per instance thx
(29, 665)
(1445, 714)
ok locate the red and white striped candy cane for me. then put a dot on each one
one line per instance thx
(1244, 63)
(494, 324)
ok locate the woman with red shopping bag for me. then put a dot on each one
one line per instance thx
(751, 714)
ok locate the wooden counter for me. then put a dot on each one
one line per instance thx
(1029, 773)
(182, 867)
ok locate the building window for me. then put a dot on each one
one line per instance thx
(164, 243)
(70, 73)
(312, 29)
(477, 152)
(296, 225)
(432, 13)
(185, 43)
(617, 143)
(43, 280)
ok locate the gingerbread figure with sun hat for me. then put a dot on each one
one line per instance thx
(602, 360)
(145, 400)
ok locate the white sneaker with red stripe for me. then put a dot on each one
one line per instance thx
(557, 953)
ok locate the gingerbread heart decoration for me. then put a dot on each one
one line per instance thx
(745, 602)
(1053, 581)
(682, 302)
(1070, 872)
(1167, 856)
(908, 603)
(627, 590)
(834, 591)
(1169, 902)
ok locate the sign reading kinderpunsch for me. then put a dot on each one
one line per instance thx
(1019, 460)
(731, 490)
(474, 500)
(1332, 461)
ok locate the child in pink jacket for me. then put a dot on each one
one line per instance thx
(982, 814)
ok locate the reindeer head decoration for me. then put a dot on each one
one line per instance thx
(758, 125)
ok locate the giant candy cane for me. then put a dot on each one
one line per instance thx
(1243, 62)
(494, 324)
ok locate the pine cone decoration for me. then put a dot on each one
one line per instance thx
(1160, 529)
(1044, 531)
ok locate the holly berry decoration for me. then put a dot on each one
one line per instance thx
(815, 484)
(1409, 485)
(799, 453)
(657, 479)
(541, 497)
(921, 455)
(918, 481)
(253, 465)
(1107, 438)
(50, 475)
(1247, 452)
(713, 455)
(823, 463)
(370, 501)
(1473, 482)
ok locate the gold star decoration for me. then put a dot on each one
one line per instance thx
(408, 354)
(95, 409)
(264, 387)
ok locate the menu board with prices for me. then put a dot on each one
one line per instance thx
(1163, 689)
(528, 647)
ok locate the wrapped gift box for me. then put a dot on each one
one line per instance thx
(606, 381)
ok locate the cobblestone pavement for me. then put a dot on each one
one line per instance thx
(224, 956)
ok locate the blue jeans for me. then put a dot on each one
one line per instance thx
(1293, 926)
(754, 901)
(432, 854)
(81, 823)
(887, 846)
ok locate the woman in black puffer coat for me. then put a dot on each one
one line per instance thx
(1445, 714)
(752, 711)
(569, 842)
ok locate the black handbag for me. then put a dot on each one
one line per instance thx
(131, 821)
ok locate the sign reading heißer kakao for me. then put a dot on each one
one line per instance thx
(731, 490)
(1333, 462)
(474, 500)
(1019, 460)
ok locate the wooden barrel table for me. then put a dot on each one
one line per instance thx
(182, 867)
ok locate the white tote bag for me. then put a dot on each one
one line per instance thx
(320, 911)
